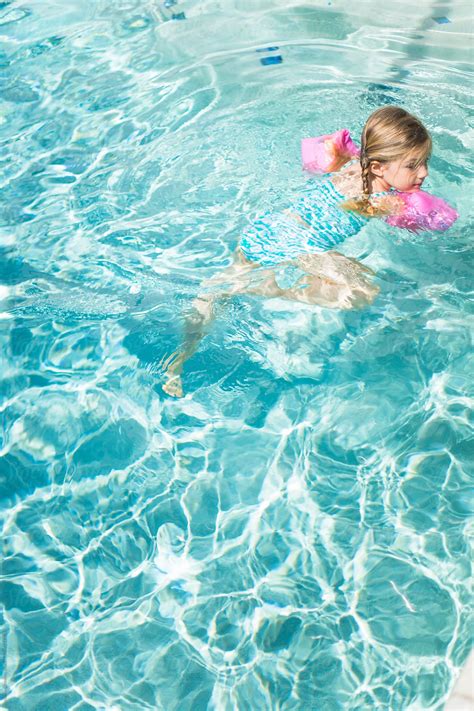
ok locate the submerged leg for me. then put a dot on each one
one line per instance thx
(195, 328)
(334, 281)
(331, 280)
(325, 292)
(233, 280)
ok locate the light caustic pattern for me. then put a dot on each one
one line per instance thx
(294, 533)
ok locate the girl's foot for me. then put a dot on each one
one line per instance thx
(172, 366)
(173, 385)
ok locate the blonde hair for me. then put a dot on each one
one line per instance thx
(390, 133)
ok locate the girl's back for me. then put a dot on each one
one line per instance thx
(314, 222)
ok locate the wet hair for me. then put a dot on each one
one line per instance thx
(390, 133)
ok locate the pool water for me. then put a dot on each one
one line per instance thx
(296, 532)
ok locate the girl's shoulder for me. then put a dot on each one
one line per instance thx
(348, 180)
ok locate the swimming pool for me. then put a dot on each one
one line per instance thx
(294, 533)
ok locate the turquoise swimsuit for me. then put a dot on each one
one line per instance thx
(278, 237)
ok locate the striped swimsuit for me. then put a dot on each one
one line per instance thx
(278, 237)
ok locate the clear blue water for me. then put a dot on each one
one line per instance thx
(294, 533)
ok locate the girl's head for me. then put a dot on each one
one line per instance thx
(395, 148)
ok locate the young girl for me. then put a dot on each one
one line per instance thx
(395, 148)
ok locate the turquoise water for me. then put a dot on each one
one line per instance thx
(293, 534)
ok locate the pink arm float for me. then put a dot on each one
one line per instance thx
(423, 212)
(324, 154)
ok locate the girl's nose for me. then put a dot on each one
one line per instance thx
(422, 171)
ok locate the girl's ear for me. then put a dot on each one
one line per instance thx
(376, 168)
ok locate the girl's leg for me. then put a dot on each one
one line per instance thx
(236, 279)
(195, 328)
(331, 280)
(334, 281)
(310, 289)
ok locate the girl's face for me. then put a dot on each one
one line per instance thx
(404, 175)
